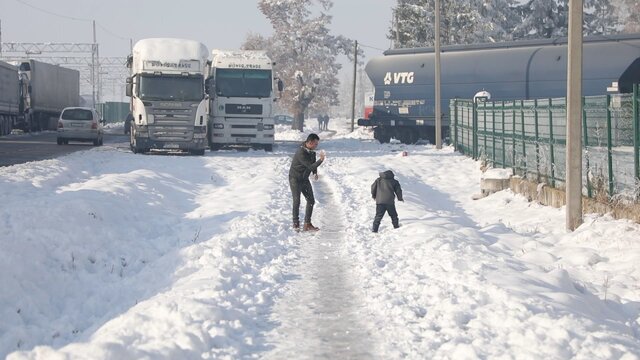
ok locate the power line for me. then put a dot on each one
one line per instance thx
(52, 13)
(370, 47)
(71, 18)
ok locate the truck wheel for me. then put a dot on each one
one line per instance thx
(268, 147)
(59, 141)
(215, 147)
(199, 152)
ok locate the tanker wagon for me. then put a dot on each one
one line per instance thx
(404, 79)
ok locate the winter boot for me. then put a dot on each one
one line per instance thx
(296, 226)
(309, 227)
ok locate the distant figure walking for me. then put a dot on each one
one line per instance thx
(384, 191)
(304, 163)
(326, 122)
(320, 122)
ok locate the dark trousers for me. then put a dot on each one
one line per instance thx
(299, 186)
(380, 210)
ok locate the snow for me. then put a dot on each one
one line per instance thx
(110, 255)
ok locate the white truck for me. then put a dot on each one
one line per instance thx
(9, 97)
(45, 90)
(241, 92)
(168, 102)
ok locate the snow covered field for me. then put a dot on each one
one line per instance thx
(109, 255)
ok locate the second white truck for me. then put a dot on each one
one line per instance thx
(241, 90)
(168, 102)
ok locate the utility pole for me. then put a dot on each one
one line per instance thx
(353, 96)
(438, 111)
(574, 118)
(94, 69)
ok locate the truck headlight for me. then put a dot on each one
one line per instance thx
(268, 126)
(218, 126)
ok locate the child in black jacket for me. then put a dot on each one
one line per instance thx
(384, 191)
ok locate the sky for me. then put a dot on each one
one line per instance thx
(216, 23)
(203, 262)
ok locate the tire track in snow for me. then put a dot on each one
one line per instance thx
(320, 313)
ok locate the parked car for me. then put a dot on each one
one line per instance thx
(127, 123)
(283, 119)
(80, 124)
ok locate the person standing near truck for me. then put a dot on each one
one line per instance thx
(304, 163)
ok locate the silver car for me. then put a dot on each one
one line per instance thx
(80, 124)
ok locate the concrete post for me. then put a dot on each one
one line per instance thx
(574, 118)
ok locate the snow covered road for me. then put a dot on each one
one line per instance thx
(109, 255)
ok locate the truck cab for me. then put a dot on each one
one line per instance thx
(240, 86)
(168, 103)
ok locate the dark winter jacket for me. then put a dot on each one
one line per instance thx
(386, 188)
(304, 163)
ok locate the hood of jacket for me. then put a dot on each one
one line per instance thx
(387, 174)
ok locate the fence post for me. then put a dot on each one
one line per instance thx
(524, 147)
(504, 153)
(609, 145)
(636, 135)
(484, 125)
(474, 131)
(513, 137)
(535, 120)
(462, 128)
(455, 124)
(585, 143)
(551, 145)
(493, 132)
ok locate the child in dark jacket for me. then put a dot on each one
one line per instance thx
(384, 191)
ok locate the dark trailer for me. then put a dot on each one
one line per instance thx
(404, 78)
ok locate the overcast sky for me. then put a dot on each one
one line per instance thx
(217, 23)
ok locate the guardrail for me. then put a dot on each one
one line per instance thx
(529, 136)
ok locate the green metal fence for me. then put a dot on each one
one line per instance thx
(529, 136)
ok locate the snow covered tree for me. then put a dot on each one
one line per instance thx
(550, 18)
(463, 22)
(304, 52)
(600, 17)
(543, 19)
(631, 22)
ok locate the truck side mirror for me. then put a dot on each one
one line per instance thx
(280, 85)
(129, 89)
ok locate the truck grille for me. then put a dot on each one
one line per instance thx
(243, 126)
(244, 135)
(171, 133)
(171, 124)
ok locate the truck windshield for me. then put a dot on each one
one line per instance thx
(243, 83)
(166, 87)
